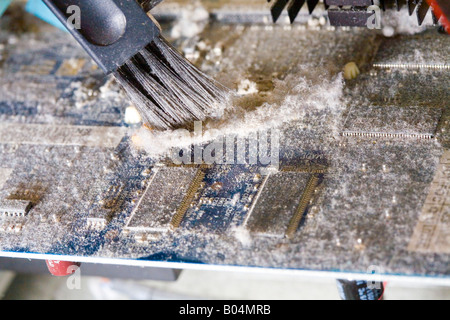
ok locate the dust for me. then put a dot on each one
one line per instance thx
(400, 22)
(298, 96)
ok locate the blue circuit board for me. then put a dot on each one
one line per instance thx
(344, 195)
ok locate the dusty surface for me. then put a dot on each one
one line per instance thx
(287, 81)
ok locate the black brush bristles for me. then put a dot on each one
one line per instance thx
(167, 89)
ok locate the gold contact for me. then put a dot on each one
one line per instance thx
(304, 201)
(256, 198)
(188, 198)
(188, 165)
(411, 66)
(388, 135)
(305, 169)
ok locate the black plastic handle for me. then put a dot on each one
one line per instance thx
(103, 22)
(111, 31)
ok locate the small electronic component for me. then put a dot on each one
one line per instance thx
(96, 223)
(14, 208)
(351, 71)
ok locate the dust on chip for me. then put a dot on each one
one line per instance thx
(392, 122)
(14, 208)
(277, 203)
(432, 232)
(160, 201)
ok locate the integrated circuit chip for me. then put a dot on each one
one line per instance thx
(392, 122)
(277, 203)
(403, 52)
(14, 208)
(432, 232)
(164, 197)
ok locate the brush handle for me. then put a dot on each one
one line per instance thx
(111, 31)
(103, 24)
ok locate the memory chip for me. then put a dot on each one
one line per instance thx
(392, 122)
(277, 203)
(162, 199)
(403, 53)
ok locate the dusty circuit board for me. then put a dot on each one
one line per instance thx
(361, 177)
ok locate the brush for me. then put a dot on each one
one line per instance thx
(124, 41)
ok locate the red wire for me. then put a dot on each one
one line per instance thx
(384, 288)
(440, 15)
